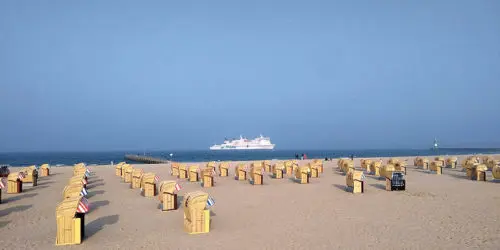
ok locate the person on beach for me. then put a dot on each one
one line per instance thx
(302, 157)
(352, 157)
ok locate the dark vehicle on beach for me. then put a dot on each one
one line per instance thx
(4, 171)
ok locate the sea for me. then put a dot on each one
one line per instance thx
(99, 158)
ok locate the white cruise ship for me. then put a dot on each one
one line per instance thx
(243, 143)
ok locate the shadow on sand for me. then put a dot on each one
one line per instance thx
(45, 182)
(340, 187)
(378, 178)
(4, 223)
(97, 204)
(338, 172)
(180, 198)
(30, 188)
(19, 208)
(457, 175)
(424, 171)
(94, 193)
(98, 224)
(94, 179)
(378, 186)
(18, 197)
(94, 185)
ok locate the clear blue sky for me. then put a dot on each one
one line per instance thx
(113, 75)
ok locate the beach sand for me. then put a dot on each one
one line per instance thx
(435, 212)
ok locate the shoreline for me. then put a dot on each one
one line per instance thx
(408, 159)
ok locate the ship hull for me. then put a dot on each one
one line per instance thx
(270, 147)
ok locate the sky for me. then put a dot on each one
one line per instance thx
(153, 75)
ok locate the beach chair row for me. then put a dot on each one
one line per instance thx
(474, 166)
(14, 181)
(137, 179)
(70, 212)
(243, 172)
(393, 172)
(196, 204)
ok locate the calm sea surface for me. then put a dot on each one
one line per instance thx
(69, 158)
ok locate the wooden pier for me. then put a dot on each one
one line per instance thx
(145, 159)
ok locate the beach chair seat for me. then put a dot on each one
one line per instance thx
(355, 182)
(194, 173)
(319, 164)
(469, 161)
(347, 166)
(386, 170)
(70, 221)
(479, 172)
(208, 177)
(80, 180)
(278, 170)
(491, 163)
(79, 168)
(365, 164)
(422, 162)
(302, 174)
(340, 163)
(437, 166)
(183, 171)
(196, 216)
(451, 162)
(211, 164)
(375, 168)
(486, 159)
(495, 171)
(124, 168)
(241, 172)
(118, 168)
(224, 169)
(256, 173)
(45, 170)
(149, 189)
(14, 183)
(168, 197)
(128, 174)
(267, 166)
(393, 161)
(314, 170)
(3, 185)
(174, 169)
(400, 166)
(395, 181)
(137, 174)
(73, 190)
(441, 159)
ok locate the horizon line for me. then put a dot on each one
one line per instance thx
(194, 150)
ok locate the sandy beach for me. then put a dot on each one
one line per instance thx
(435, 212)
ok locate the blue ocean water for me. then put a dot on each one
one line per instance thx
(69, 158)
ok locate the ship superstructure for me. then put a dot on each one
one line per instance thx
(260, 142)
